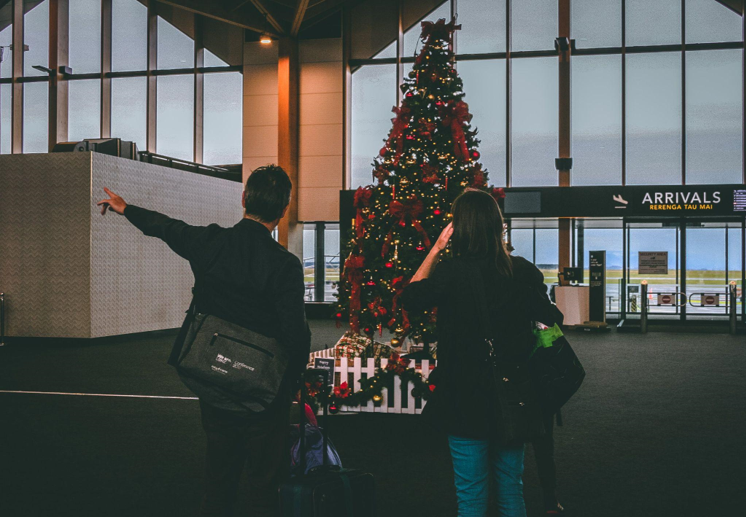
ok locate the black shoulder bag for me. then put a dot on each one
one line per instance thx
(215, 357)
(517, 408)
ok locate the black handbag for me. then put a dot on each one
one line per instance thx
(558, 374)
(517, 408)
(218, 359)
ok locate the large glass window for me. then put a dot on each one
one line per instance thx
(533, 24)
(534, 122)
(332, 260)
(484, 84)
(129, 109)
(84, 109)
(597, 23)
(654, 118)
(223, 118)
(6, 70)
(36, 36)
(483, 26)
(175, 49)
(6, 98)
(597, 120)
(546, 257)
(175, 118)
(85, 36)
(35, 116)
(714, 116)
(711, 21)
(373, 96)
(309, 262)
(129, 35)
(653, 22)
(6, 40)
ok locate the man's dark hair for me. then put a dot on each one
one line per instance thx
(267, 193)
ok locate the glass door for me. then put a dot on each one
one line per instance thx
(653, 255)
(706, 271)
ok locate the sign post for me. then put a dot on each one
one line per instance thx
(597, 295)
(653, 263)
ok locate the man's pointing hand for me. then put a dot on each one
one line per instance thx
(114, 203)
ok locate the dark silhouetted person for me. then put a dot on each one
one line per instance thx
(247, 278)
(463, 405)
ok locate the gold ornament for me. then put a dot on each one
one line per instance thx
(377, 398)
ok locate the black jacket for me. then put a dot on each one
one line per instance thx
(461, 402)
(243, 276)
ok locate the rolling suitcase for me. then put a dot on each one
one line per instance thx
(327, 490)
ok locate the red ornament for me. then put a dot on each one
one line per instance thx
(402, 223)
(436, 211)
(371, 282)
(409, 94)
(420, 248)
(439, 103)
(410, 137)
(383, 151)
(339, 315)
(475, 155)
(389, 265)
(367, 330)
(432, 387)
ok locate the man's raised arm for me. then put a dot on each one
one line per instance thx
(180, 236)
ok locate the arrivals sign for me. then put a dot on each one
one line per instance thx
(652, 263)
(635, 201)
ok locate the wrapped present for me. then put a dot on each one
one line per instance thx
(381, 351)
(352, 345)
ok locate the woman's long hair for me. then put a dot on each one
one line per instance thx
(478, 229)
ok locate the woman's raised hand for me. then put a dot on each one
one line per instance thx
(445, 236)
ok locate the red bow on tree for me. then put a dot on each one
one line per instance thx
(381, 174)
(480, 179)
(455, 114)
(410, 208)
(438, 30)
(498, 193)
(429, 173)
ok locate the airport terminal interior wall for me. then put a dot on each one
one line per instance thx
(69, 272)
(44, 244)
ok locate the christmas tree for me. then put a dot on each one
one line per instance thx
(429, 158)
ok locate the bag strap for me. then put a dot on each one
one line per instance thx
(173, 359)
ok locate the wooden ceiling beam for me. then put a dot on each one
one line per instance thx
(300, 13)
(216, 11)
(272, 18)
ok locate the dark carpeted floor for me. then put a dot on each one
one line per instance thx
(658, 429)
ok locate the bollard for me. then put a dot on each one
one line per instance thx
(2, 319)
(644, 307)
(733, 302)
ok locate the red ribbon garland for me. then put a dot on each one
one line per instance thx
(401, 121)
(454, 114)
(354, 274)
(362, 199)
